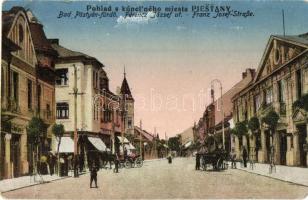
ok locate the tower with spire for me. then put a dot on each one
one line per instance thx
(128, 102)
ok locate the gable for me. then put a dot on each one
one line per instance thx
(299, 116)
(277, 53)
(19, 33)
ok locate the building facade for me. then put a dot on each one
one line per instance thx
(214, 117)
(25, 91)
(111, 114)
(280, 86)
(128, 105)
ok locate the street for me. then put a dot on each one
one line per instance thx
(160, 180)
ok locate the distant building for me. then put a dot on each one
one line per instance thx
(128, 101)
(187, 140)
(212, 119)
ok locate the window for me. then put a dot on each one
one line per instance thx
(95, 79)
(257, 103)
(129, 123)
(117, 116)
(39, 91)
(2, 82)
(299, 83)
(277, 56)
(281, 95)
(62, 76)
(103, 84)
(21, 33)
(62, 110)
(29, 94)
(15, 86)
(269, 96)
(48, 111)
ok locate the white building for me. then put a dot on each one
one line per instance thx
(87, 82)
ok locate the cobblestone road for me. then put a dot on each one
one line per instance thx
(158, 179)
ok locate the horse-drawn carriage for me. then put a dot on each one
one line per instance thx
(213, 155)
(217, 158)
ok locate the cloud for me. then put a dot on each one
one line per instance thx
(236, 28)
(137, 19)
(180, 28)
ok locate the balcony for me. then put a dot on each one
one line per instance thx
(14, 106)
(282, 108)
(47, 115)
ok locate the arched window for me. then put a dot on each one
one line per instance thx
(21, 33)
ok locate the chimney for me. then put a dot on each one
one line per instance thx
(249, 71)
(54, 41)
(244, 74)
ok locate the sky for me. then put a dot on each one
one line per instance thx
(170, 62)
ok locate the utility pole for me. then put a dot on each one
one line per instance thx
(140, 142)
(222, 111)
(75, 93)
(283, 24)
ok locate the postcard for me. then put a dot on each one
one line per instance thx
(154, 100)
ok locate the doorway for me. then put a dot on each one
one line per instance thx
(15, 154)
(301, 141)
(268, 144)
(283, 147)
(2, 155)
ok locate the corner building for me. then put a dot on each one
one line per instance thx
(280, 83)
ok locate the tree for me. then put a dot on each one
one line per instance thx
(36, 130)
(174, 144)
(301, 103)
(58, 131)
(241, 128)
(253, 124)
(271, 119)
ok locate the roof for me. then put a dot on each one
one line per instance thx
(9, 44)
(8, 18)
(125, 89)
(299, 39)
(64, 53)
(227, 97)
(144, 133)
(40, 41)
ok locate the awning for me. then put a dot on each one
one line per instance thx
(188, 144)
(125, 139)
(97, 143)
(66, 145)
(129, 146)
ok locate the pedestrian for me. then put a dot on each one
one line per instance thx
(93, 172)
(125, 153)
(198, 161)
(245, 155)
(51, 164)
(232, 157)
(116, 163)
(169, 159)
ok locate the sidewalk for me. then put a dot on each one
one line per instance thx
(297, 175)
(26, 181)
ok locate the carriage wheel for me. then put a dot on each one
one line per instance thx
(219, 164)
(128, 164)
(139, 162)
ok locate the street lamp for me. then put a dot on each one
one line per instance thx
(222, 111)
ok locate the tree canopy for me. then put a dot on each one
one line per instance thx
(36, 129)
(271, 119)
